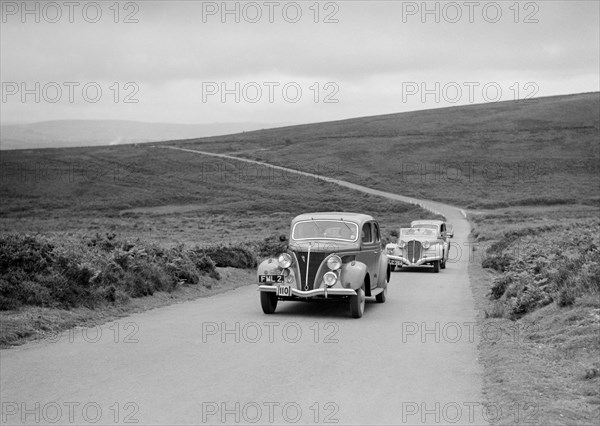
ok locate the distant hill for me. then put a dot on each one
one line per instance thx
(542, 151)
(74, 133)
(545, 113)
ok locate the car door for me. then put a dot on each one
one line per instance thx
(445, 240)
(381, 261)
(370, 251)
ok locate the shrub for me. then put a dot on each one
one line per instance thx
(566, 297)
(91, 271)
(236, 256)
(497, 311)
(552, 264)
(270, 246)
(499, 286)
(524, 301)
(107, 242)
(205, 264)
(499, 263)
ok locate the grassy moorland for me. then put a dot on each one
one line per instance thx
(536, 277)
(168, 196)
(93, 230)
(544, 151)
(527, 172)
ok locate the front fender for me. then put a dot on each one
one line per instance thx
(353, 275)
(267, 267)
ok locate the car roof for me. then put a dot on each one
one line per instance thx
(427, 222)
(350, 217)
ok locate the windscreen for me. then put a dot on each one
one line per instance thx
(416, 232)
(325, 229)
(425, 226)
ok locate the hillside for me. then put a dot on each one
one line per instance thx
(490, 155)
(544, 151)
(167, 196)
(528, 173)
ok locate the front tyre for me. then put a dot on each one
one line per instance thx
(357, 303)
(268, 302)
(436, 266)
(380, 298)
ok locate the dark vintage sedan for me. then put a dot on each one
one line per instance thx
(330, 256)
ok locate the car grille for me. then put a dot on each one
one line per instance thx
(315, 260)
(414, 250)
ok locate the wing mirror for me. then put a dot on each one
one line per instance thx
(449, 231)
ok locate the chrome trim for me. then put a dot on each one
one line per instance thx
(311, 293)
(296, 266)
(419, 262)
(307, 265)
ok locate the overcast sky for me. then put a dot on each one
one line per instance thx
(191, 62)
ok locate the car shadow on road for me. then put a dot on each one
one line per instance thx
(413, 269)
(318, 308)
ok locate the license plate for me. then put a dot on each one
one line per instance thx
(395, 263)
(270, 279)
(284, 290)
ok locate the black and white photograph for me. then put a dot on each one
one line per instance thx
(309, 212)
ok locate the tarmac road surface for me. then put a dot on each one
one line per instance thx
(220, 360)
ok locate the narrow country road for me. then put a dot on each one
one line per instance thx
(220, 360)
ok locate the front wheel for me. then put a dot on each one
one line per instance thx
(357, 303)
(443, 264)
(436, 266)
(268, 302)
(380, 298)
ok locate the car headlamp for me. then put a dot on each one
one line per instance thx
(426, 244)
(334, 262)
(330, 278)
(402, 244)
(284, 260)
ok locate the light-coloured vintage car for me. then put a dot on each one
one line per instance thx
(445, 230)
(330, 256)
(422, 244)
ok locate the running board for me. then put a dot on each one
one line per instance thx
(376, 291)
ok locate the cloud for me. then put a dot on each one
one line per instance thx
(173, 44)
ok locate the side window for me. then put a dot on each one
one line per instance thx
(376, 232)
(366, 233)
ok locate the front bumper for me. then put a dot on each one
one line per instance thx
(317, 292)
(405, 262)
